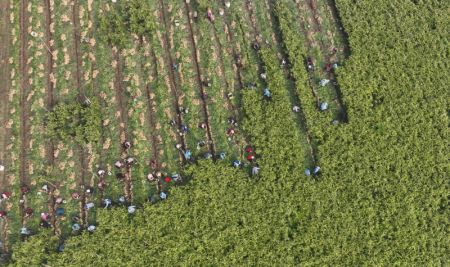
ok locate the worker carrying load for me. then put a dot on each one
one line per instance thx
(131, 209)
(267, 93)
(162, 195)
(323, 106)
(209, 15)
(6, 195)
(263, 76)
(296, 109)
(91, 228)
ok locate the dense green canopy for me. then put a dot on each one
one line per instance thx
(382, 198)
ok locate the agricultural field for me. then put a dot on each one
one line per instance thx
(249, 132)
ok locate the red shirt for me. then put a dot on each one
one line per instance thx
(167, 179)
(250, 157)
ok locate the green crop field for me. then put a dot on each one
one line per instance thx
(224, 133)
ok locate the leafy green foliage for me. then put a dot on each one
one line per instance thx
(35, 251)
(75, 121)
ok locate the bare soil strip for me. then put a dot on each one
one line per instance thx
(194, 50)
(170, 63)
(50, 146)
(24, 105)
(82, 153)
(5, 86)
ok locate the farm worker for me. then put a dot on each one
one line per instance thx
(231, 121)
(162, 195)
(335, 66)
(167, 179)
(296, 109)
(195, 16)
(44, 216)
(24, 189)
(227, 4)
(323, 106)
(222, 155)
(335, 122)
(177, 23)
(118, 164)
(121, 199)
(101, 184)
(150, 177)
(6, 195)
(176, 177)
(91, 228)
(45, 188)
(127, 145)
(153, 164)
(28, 212)
(328, 67)
(114, 1)
(130, 161)
(101, 172)
(203, 125)
(310, 64)
(120, 176)
(210, 15)
(206, 83)
(267, 92)
(316, 170)
(178, 146)
(230, 132)
(24, 231)
(60, 212)
(230, 95)
(89, 205)
(3, 214)
(131, 209)
(158, 174)
(59, 200)
(255, 46)
(263, 76)
(249, 149)
(2, 168)
(75, 227)
(236, 163)
(45, 224)
(187, 154)
(107, 202)
(307, 172)
(221, 11)
(175, 67)
(251, 157)
(238, 59)
(184, 129)
(75, 219)
(208, 155)
(172, 122)
(61, 248)
(200, 144)
(75, 195)
(283, 62)
(255, 170)
(324, 82)
(334, 50)
(89, 190)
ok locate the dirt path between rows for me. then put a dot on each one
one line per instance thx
(195, 56)
(24, 105)
(5, 87)
(172, 79)
(151, 107)
(50, 101)
(78, 78)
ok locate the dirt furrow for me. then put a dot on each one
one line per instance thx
(81, 96)
(24, 105)
(195, 56)
(50, 146)
(173, 84)
(5, 86)
(123, 120)
(151, 105)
